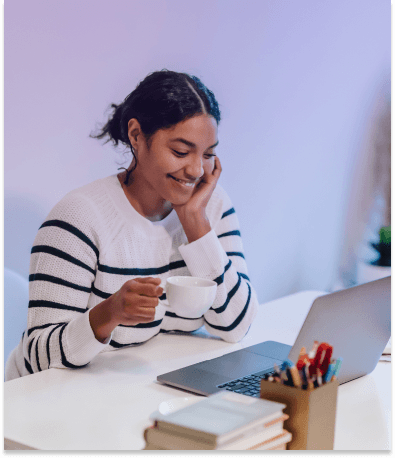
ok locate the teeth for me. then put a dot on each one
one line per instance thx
(186, 183)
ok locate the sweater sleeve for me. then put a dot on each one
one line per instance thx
(63, 265)
(219, 256)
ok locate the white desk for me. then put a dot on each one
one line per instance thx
(106, 405)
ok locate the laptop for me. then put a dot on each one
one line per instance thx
(355, 321)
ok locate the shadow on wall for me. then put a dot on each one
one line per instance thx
(22, 218)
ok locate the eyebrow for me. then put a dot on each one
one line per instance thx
(191, 144)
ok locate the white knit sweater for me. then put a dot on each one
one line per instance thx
(91, 243)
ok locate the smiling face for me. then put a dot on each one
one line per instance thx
(171, 164)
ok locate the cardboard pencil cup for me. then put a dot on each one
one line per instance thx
(312, 414)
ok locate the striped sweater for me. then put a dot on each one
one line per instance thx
(91, 243)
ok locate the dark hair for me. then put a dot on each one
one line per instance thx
(161, 100)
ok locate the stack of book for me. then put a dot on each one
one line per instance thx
(222, 421)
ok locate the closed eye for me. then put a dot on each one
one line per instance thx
(179, 154)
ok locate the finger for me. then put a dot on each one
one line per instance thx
(147, 301)
(217, 167)
(144, 289)
(146, 312)
(153, 280)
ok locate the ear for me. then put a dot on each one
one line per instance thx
(134, 132)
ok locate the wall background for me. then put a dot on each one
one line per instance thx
(297, 83)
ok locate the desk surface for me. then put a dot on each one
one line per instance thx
(58, 409)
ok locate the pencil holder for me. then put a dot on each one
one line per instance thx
(312, 414)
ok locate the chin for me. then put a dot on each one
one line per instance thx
(179, 200)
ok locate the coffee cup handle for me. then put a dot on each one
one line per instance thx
(163, 285)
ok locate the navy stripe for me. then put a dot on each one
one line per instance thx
(104, 295)
(42, 326)
(61, 254)
(226, 234)
(100, 293)
(142, 272)
(37, 359)
(228, 212)
(151, 324)
(231, 293)
(58, 281)
(28, 367)
(49, 336)
(220, 279)
(237, 320)
(166, 331)
(63, 356)
(173, 315)
(29, 350)
(55, 305)
(244, 276)
(115, 344)
(235, 253)
(68, 227)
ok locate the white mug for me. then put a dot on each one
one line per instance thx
(189, 297)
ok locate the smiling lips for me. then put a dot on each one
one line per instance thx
(189, 184)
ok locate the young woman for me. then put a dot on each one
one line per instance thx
(101, 254)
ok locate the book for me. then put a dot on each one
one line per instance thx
(278, 442)
(172, 441)
(221, 417)
(275, 443)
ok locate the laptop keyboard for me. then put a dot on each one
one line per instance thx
(249, 385)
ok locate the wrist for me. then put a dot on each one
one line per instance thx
(196, 226)
(102, 320)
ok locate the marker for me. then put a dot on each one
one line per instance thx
(329, 372)
(304, 360)
(337, 367)
(322, 358)
(294, 373)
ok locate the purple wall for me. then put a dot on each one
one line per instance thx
(296, 82)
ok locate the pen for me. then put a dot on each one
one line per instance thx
(284, 377)
(313, 350)
(310, 384)
(277, 370)
(295, 377)
(289, 377)
(302, 352)
(319, 377)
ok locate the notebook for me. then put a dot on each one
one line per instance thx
(355, 321)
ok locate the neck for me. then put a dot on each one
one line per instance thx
(144, 198)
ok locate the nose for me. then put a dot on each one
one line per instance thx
(194, 168)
